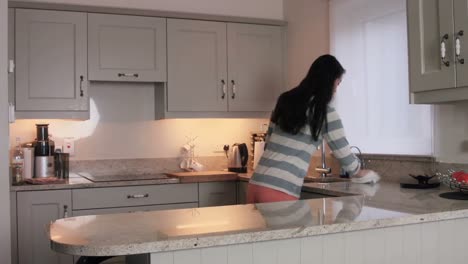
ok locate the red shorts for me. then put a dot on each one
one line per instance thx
(260, 194)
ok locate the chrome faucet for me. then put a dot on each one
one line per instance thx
(324, 170)
(363, 162)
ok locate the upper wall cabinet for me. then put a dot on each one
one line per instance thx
(438, 45)
(220, 67)
(255, 67)
(197, 66)
(126, 48)
(51, 64)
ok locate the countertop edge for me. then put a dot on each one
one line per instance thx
(251, 237)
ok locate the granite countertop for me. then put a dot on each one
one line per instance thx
(77, 182)
(365, 207)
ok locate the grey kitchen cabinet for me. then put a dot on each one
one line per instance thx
(197, 66)
(126, 48)
(437, 49)
(242, 192)
(223, 67)
(11, 55)
(51, 61)
(255, 68)
(217, 194)
(35, 211)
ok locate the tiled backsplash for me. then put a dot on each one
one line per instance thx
(141, 166)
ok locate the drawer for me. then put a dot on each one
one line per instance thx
(134, 209)
(217, 193)
(95, 198)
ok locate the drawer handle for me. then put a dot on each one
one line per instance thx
(135, 75)
(137, 196)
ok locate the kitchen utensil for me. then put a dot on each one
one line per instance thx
(419, 182)
(44, 149)
(460, 188)
(238, 158)
(28, 170)
(61, 165)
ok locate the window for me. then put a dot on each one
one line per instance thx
(369, 37)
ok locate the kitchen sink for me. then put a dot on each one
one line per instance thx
(329, 179)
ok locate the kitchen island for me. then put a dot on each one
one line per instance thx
(379, 223)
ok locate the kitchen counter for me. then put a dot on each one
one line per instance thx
(365, 207)
(77, 182)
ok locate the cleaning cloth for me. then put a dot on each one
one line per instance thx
(370, 177)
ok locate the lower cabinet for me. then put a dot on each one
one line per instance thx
(217, 194)
(35, 211)
(242, 192)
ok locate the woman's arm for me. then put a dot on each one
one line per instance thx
(334, 134)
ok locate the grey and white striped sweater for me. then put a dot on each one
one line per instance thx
(286, 159)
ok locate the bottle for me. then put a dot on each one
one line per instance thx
(17, 162)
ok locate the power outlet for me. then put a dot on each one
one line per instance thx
(69, 146)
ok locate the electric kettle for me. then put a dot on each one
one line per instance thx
(238, 158)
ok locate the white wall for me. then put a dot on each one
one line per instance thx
(308, 35)
(271, 9)
(451, 133)
(5, 247)
(122, 126)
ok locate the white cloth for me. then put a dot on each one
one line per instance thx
(370, 177)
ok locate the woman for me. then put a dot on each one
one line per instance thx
(301, 119)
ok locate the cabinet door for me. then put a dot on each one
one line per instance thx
(197, 66)
(35, 212)
(461, 33)
(51, 68)
(428, 22)
(126, 48)
(255, 66)
(11, 55)
(242, 192)
(217, 194)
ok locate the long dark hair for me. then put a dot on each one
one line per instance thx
(308, 102)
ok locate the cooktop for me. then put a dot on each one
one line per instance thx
(113, 178)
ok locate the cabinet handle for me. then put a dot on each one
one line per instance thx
(224, 89)
(65, 211)
(137, 196)
(11, 66)
(234, 90)
(81, 85)
(458, 47)
(135, 75)
(443, 50)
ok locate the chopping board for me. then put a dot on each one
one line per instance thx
(203, 176)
